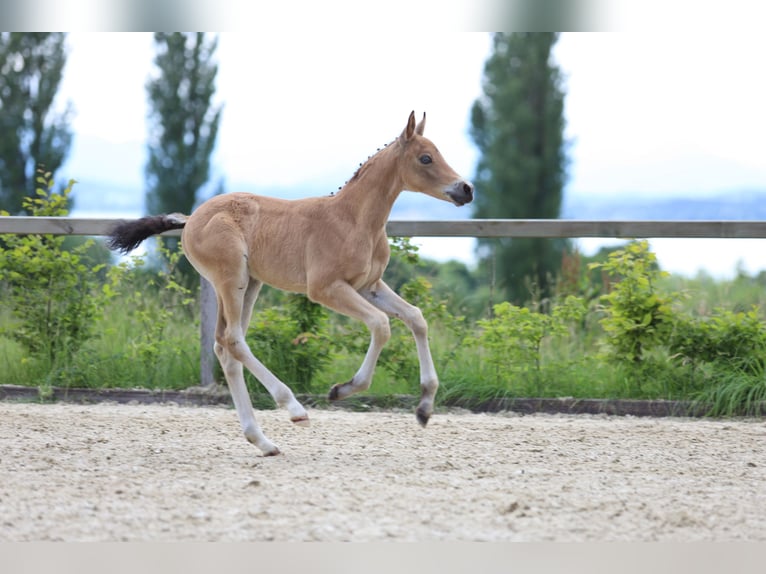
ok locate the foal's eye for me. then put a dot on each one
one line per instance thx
(425, 159)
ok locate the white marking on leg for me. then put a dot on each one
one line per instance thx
(385, 299)
(281, 393)
(231, 336)
(232, 370)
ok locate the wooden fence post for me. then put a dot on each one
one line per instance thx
(208, 312)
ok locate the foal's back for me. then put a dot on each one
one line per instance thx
(283, 243)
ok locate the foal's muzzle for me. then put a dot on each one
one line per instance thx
(460, 192)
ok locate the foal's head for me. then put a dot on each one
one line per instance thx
(423, 169)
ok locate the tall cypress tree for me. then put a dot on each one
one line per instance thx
(518, 127)
(31, 133)
(184, 122)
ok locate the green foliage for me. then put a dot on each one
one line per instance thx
(512, 340)
(578, 277)
(705, 294)
(460, 290)
(736, 339)
(157, 300)
(403, 249)
(637, 317)
(31, 133)
(52, 293)
(659, 344)
(518, 127)
(292, 340)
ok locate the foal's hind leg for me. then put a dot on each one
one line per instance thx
(233, 371)
(279, 391)
(385, 299)
(234, 309)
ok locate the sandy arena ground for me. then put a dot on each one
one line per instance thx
(112, 472)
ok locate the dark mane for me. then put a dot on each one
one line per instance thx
(362, 166)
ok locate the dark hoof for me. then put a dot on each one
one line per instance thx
(422, 417)
(301, 421)
(334, 394)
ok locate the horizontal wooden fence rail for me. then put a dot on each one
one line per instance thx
(542, 228)
(577, 228)
(456, 228)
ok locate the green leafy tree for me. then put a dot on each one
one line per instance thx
(32, 133)
(518, 127)
(184, 121)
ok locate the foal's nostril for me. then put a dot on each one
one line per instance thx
(461, 192)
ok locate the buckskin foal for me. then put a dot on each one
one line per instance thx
(334, 249)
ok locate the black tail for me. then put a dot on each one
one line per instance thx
(127, 235)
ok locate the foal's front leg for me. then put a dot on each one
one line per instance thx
(343, 298)
(385, 299)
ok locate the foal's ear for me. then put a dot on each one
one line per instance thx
(421, 126)
(409, 131)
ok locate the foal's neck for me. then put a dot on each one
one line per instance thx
(372, 190)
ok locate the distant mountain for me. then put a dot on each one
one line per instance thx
(739, 205)
(111, 184)
(94, 198)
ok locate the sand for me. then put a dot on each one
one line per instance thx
(111, 472)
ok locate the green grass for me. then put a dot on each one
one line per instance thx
(703, 294)
(734, 392)
(116, 357)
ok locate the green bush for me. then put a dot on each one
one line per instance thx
(52, 293)
(637, 317)
(736, 339)
(511, 342)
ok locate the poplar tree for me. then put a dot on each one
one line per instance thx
(183, 121)
(32, 133)
(518, 127)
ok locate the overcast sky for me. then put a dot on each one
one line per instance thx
(297, 107)
(647, 113)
